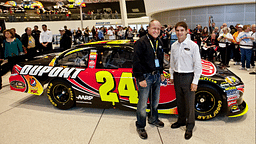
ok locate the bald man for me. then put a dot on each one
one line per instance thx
(148, 71)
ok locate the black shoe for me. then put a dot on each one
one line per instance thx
(142, 133)
(157, 123)
(188, 134)
(177, 125)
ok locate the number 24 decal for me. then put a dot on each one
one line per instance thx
(126, 87)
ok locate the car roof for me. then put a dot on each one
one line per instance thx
(109, 42)
(100, 45)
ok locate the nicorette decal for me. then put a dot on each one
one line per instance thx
(37, 70)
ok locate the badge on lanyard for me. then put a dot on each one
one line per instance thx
(156, 59)
(157, 63)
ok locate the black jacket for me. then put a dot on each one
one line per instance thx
(65, 42)
(144, 57)
(24, 40)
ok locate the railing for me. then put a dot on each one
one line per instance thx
(24, 17)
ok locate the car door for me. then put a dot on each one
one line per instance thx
(110, 72)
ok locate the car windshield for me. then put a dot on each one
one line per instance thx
(77, 58)
(114, 58)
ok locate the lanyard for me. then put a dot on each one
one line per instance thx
(153, 46)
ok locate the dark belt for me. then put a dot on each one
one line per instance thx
(182, 74)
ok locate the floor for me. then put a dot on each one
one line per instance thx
(29, 119)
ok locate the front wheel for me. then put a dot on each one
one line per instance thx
(208, 102)
(60, 94)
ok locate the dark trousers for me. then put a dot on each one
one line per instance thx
(237, 55)
(185, 99)
(225, 55)
(253, 57)
(46, 49)
(31, 52)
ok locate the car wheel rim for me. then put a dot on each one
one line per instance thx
(61, 93)
(204, 101)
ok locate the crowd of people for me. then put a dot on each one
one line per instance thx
(215, 44)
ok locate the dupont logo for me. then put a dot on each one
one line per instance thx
(208, 68)
(32, 82)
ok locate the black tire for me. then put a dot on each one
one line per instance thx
(60, 94)
(208, 102)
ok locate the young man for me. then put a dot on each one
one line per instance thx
(46, 39)
(148, 70)
(185, 70)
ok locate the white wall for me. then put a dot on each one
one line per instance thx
(155, 6)
(54, 26)
(230, 14)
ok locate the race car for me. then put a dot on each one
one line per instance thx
(99, 74)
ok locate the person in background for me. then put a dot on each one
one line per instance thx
(205, 35)
(216, 30)
(185, 70)
(246, 42)
(148, 70)
(237, 55)
(78, 34)
(223, 26)
(14, 31)
(198, 35)
(211, 25)
(142, 32)
(69, 34)
(225, 40)
(129, 34)
(100, 34)
(36, 35)
(29, 43)
(12, 48)
(65, 42)
(209, 46)
(121, 33)
(111, 34)
(254, 45)
(45, 39)
(90, 35)
(86, 35)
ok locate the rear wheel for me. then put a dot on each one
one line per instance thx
(60, 94)
(208, 102)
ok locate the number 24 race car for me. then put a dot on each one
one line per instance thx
(100, 74)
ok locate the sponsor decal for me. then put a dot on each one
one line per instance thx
(230, 88)
(17, 84)
(208, 79)
(51, 71)
(232, 92)
(83, 97)
(232, 98)
(208, 68)
(233, 102)
(32, 82)
(232, 80)
(235, 109)
(91, 64)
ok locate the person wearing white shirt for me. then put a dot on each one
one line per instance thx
(45, 39)
(225, 40)
(246, 42)
(254, 45)
(185, 70)
(111, 34)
